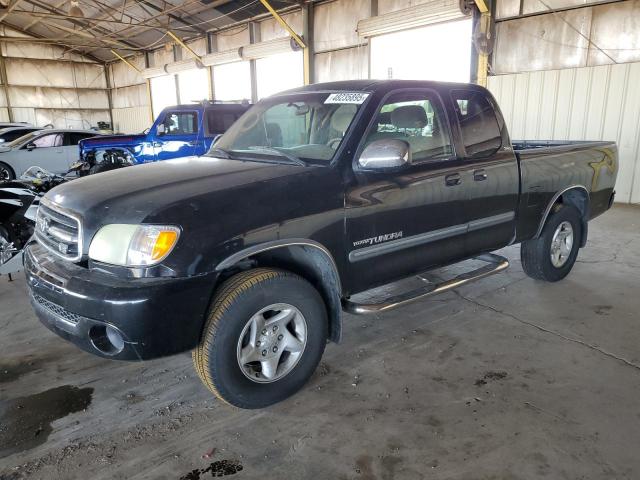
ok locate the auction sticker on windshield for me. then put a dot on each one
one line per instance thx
(356, 98)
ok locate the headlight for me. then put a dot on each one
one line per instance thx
(133, 245)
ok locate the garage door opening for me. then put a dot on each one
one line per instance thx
(436, 52)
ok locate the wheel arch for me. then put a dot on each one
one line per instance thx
(307, 258)
(11, 169)
(575, 195)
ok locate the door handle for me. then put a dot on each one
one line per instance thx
(479, 175)
(452, 180)
(192, 144)
(157, 144)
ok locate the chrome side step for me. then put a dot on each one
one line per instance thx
(495, 264)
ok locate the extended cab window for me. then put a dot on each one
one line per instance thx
(418, 119)
(309, 125)
(478, 123)
(181, 123)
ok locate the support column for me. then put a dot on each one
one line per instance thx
(212, 47)
(254, 37)
(5, 85)
(308, 52)
(107, 77)
(147, 64)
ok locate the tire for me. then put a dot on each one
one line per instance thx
(226, 339)
(536, 254)
(6, 172)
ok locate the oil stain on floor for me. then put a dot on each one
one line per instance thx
(25, 422)
(221, 468)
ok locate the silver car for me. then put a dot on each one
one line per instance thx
(55, 150)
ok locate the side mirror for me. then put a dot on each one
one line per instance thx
(160, 129)
(31, 146)
(385, 154)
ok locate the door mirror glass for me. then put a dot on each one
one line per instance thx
(385, 154)
(30, 146)
(160, 130)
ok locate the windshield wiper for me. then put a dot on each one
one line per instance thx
(220, 152)
(292, 158)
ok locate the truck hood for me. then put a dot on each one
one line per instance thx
(171, 191)
(111, 140)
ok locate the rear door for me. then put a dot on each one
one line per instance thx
(45, 151)
(490, 171)
(180, 137)
(404, 222)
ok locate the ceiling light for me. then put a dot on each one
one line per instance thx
(75, 10)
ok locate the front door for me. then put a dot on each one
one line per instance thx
(405, 222)
(490, 173)
(180, 136)
(46, 151)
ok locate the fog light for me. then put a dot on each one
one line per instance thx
(107, 339)
(115, 337)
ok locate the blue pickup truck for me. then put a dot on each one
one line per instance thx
(179, 131)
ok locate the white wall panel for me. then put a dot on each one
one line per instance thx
(4, 114)
(270, 29)
(122, 75)
(230, 39)
(133, 96)
(131, 120)
(589, 103)
(347, 64)
(387, 6)
(335, 24)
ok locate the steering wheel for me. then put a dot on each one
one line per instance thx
(336, 140)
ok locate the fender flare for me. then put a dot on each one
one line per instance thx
(328, 280)
(553, 201)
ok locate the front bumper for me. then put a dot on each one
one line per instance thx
(155, 317)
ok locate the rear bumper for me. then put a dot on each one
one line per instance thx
(153, 317)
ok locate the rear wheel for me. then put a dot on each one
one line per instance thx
(264, 338)
(551, 256)
(6, 172)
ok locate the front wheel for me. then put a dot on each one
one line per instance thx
(264, 337)
(551, 256)
(6, 173)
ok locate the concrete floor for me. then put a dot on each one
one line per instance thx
(507, 378)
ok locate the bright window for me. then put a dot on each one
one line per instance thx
(232, 81)
(193, 85)
(279, 72)
(437, 52)
(163, 93)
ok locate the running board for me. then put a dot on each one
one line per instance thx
(495, 264)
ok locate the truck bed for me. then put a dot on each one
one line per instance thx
(547, 167)
(522, 146)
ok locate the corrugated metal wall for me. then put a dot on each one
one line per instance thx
(590, 103)
(131, 119)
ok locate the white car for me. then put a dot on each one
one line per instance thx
(54, 150)
(9, 134)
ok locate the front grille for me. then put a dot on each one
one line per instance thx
(58, 232)
(57, 310)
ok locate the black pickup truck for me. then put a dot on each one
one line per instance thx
(249, 255)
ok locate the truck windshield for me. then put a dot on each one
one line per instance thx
(304, 126)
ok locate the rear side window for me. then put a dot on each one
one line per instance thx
(181, 123)
(219, 121)
(478, 123)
